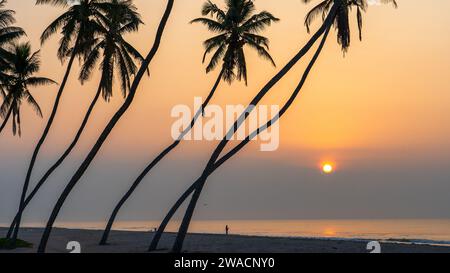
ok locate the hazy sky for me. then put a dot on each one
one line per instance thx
(380, 113)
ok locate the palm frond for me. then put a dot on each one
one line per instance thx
(22, 65)
(236, 26)
(34, 105)
(341, 21)
(211, 24)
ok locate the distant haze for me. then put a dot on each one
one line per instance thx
(381, 113)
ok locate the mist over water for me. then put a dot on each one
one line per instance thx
(430, 231)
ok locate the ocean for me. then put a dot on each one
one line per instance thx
(430, 231)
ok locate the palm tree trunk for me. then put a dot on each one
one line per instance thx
(42, 139)
(173, 210)
(5, 121)
(161, 156)
(187, 193)
(179, 241)
(104, 135)
(178, 245)
(58, 162)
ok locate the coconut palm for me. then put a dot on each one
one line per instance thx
(236, 27)
(22, 66)
(109, 127)
(333, 12)
(121, 18)
(8, 34)
(342, 20)
(118, 58)
(76, 26)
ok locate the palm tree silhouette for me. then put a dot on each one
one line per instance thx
(334, 12)
(76, 27)
(236, 27)
(109, 127)
(21, 67)
(342, 20)
(120, 18)
(8, 34)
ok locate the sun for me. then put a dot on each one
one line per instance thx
(329, 232)
(327, 168)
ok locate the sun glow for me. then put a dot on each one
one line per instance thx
(329, 232)
(328, 168)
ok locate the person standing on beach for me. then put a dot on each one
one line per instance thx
(227, 229)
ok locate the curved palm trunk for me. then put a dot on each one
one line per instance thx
(161, 156)
(188, 192)
(185, 195)
(173, 210)
(178, 245)
(42, 140)
(90, 157)
(69, 149)
(5, 121)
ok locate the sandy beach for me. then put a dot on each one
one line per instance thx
(137, 242)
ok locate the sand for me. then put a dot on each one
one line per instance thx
(137, 242)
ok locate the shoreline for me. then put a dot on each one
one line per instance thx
(138, 241)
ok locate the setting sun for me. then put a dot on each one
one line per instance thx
(329, 232)
(327, 168)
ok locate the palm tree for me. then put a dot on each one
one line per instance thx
(235, 27)
(121, 18)
(109, 127)
(21, 69)
(76, 25)
(334, 12)
(8, 34)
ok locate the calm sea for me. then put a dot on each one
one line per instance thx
(435, 231)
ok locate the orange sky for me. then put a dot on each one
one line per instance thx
(389, 91)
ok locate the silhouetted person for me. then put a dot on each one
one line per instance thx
(227, 229)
